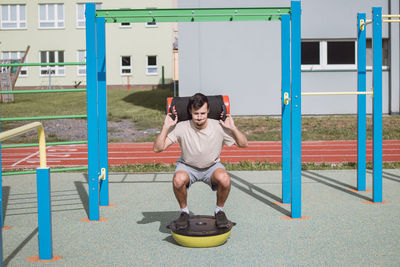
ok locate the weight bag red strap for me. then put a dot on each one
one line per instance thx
(218, 104)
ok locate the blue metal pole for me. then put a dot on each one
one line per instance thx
(1, 211)
(44, 213)
(285, 55)
(361, 105)
(377, 103)
(1, 241)
(1, 192)
(102, 94)
(296, 110)
(92, 112)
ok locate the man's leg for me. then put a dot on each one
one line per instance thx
(222, 180)
(180, 181)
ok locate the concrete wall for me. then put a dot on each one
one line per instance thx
(137, 41)
(243, 59)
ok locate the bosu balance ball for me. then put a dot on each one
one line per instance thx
(201, 232)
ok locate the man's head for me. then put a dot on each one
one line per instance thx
(198, 108)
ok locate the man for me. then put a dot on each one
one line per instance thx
(201, 140)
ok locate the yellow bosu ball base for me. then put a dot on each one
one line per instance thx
(201, 241)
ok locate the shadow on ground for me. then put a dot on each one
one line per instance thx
(249, 189)
(20, 247)
(333, 183)
(164, 218)
(152, 99)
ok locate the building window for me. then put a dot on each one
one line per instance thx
(385, 53)
(81, 58)
(126, 65)
(151, 65)
(341, 52)
(16, 55)
(13, 17)
(80, 14)
(310, 53)
(51, 16)
(52, 57)
(125, 25)
(328, 55)
(337, 54)
(151, 24)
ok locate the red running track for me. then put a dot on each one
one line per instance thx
(131, 153)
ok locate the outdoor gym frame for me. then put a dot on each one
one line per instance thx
(96, 86)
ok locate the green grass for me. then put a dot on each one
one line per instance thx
(146, 108)
(45, 104)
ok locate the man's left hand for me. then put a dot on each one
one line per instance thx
(228, 123)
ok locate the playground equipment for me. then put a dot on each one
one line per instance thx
(201, 232)
(291, 103)
(43, 173)
(43, 192)
(377, 97)
(67, 90)
(295, 131)
(291, 92)
(9, 76)
(96, 80)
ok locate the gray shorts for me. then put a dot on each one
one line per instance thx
(196, 174)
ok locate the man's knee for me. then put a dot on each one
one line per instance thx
(181, 179)
(221, 178)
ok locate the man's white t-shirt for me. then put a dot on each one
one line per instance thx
(201, 148)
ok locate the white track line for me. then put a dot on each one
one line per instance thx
(22, 160)
(31, 155)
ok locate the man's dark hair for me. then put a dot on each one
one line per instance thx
(197, 101)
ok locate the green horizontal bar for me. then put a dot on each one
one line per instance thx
(51, 170)
(47, 144)
(193, 14)
(44, 91)
(43, 118)
(42, 64)
(17, 173)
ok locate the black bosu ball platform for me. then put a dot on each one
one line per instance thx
(202, 232)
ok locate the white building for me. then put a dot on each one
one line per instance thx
(55, 32)
(243, 59)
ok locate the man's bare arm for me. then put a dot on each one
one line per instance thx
(162, 142)
(240, 138)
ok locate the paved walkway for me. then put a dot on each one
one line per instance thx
(341, 230)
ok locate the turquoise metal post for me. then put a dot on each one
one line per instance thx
(44, 213)
(377, 103)
(92, 112)
(102, 94)
(285, 61)
(296, 110)
(1, 194)
(361, 104)
(1, 241)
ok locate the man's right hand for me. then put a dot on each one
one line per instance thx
(169, 122)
